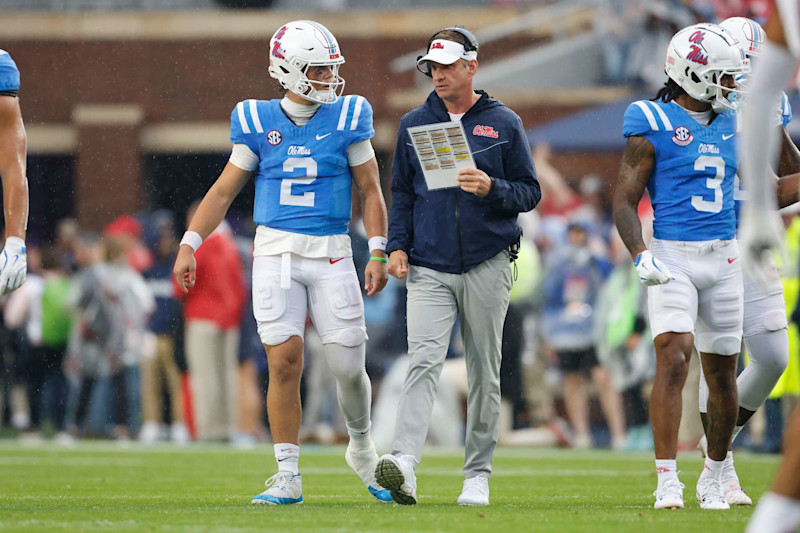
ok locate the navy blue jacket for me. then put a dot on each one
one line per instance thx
(450, 230)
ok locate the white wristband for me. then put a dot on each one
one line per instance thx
(378, 243)
(192, 239)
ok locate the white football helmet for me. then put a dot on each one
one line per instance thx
(298, 46)
(699, 56)
(748, 32)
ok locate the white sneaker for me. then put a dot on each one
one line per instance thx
(475, 491)
(363, 462)
(731, 489)
(582, 442)
(283, 488)
(179, 434)
(150, 433)
(670, 495)
(709, 494)
(397, 475)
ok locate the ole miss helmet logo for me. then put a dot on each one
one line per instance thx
(277, 51)
(682, 136)
(696, 53)
(485, 131)
(274, 137)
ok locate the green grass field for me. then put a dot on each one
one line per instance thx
(102, 487)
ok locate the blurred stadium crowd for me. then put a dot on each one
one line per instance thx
(99, 343)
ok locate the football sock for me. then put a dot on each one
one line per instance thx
(287, 455)
(712, 468)
(728, 462)
(667, 469)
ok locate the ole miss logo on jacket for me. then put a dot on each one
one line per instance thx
(484, 131)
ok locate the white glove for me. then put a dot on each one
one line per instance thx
(760, 233)
(651, 270)
(13, 265)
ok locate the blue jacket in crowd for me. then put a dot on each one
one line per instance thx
(450, 230)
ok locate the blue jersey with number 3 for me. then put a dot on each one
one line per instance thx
(692, 184)
(303, 181)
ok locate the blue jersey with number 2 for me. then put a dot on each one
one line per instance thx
(303, 181)
(692, 185)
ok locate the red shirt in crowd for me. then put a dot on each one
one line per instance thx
(219, 292)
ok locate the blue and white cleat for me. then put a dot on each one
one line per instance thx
(284, 488)
(363, 463)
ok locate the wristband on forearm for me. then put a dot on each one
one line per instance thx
(192, 239)
(380, 259)
(378, 243)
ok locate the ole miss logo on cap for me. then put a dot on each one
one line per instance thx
(437, 46)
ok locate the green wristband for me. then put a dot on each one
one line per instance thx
(381, 259)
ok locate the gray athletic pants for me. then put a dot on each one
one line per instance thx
(480, 299)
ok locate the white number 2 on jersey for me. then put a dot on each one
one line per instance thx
(307, 198)
(715, 184)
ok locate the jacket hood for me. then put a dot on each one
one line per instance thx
(436, 104)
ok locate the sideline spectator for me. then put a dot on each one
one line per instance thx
(159, 367)
(212, 312)
(572, 280)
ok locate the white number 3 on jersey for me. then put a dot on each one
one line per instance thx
(715, 184)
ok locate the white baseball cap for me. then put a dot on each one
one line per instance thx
(444, 52)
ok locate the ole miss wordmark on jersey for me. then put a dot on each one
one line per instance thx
(9, 73)
(692, 185)
(303, 181)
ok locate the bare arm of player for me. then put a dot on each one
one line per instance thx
(637, 165)
(209, 214)
(789, 162)
(367, 178)
(789, 170)
(13, 153)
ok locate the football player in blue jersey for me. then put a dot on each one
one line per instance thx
(304, 152)
(765, 324)
(13, 154)
(681, 147)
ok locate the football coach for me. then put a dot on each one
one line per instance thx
(455, 245)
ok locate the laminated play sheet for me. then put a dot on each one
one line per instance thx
(442, 150)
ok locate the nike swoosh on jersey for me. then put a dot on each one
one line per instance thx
(726, 137)
(731, 260)
(320, 137)
(335, 260)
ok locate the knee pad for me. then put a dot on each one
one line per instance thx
(775, 320)
(273, 334)
(726, 345)
(349, 337)
(769, 351)
(345, 362)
